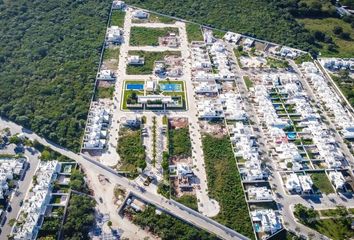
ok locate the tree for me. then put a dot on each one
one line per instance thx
(345, 35)
(337, 30)
(319, 36)
(109, 224)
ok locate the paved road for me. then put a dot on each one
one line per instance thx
(186, 214)
(23, 187)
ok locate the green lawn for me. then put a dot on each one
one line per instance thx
(345, 48)
(111, 53)
(142, 36)
(127, 93)
(117, 18)
(224, 184)
(150, 58)
(194, 32)
(321, 183)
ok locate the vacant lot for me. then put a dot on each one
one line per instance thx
(321, 183)
(141, 36)
(117, 18)
(343, 48)
(150, 58)
(225, 185)
(194, 32)
(131, 150)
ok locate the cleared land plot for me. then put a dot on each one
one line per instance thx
(321, 183)
(224, 184)
(117, 18)
(142, 36)
(343, 48)
(131, 150)
(150, 58)
(194, 32)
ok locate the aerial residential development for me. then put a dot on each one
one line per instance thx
(190, 132)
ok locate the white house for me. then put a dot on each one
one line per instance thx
(114, 35)
(106, 75)
(35, 204)
(140, 14)
(259, 193)
(337, 179)
(118, 4)
(267, 219)
(135, 60)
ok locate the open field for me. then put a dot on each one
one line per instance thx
(131, 150)
(117, 18)
(224, 184)
(344, 48)
(321, 182)
(111, 53)
(194, 33)
(142, 36)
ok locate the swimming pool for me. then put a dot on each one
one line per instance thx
(291, 135)
(135, 86)
(171, 87)
(257, 227)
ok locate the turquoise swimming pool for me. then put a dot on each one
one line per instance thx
(291, 135)
(171, 87)
(135, 86)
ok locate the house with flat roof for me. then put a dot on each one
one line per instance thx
(36, 201)
(267, 220)
(140, 14)
(337, 180)
(118, 5)
(96, 127)
(106, 75)
(259, 193)
(135, 60)
(114, 35)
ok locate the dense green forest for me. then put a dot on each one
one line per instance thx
(272, 20)
(259, 18)
(49, 52)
